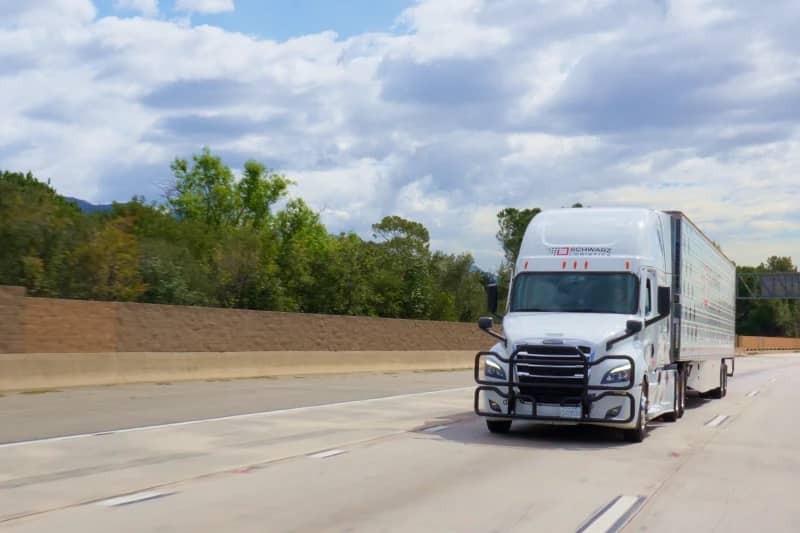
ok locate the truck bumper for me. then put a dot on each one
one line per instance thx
(549, 399)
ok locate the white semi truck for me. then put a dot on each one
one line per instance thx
(612, 314)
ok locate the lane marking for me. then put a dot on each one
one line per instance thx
(327, 453)
(752, 393)
(435, 429)
(613, 516)
(230, 417)
(773, 380)
(717, 421)
(133, 498)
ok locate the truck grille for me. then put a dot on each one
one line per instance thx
(552, 374)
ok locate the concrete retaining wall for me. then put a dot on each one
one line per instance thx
(47, 325)
(51, 343)
(48, 343)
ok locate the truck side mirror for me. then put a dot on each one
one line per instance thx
(664, 301)
(633, 326)
(491, 299)
(486, 323)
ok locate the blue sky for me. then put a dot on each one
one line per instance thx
(284, 19)
(441, 111)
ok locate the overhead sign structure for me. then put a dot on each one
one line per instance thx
(768, 286)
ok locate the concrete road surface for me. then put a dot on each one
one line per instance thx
(417, 460)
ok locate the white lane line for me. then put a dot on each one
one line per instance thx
(717, 421)
(231, 417)
(133, 498)
(327, 453)
(613, 516)
(752, 393)
(435, 429)
(773, 380)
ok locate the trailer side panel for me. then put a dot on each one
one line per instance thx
(704, 283)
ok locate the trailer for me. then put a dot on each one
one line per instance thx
(611, 316)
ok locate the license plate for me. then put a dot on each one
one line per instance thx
(570, 411)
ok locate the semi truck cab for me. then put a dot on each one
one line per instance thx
(591, 332)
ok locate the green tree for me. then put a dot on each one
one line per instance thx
(772, 318)
(460, 291)
(303, 242)
(347, 283)
(106, 266)
(37, 229)
(513, 222)
(403, 284)
(208, 191)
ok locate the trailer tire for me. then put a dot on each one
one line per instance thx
(638, 433)
(721, 391)
(733, 366)
(498, 426)
(682, 398)
(725, 380)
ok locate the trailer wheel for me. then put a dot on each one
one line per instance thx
(721, 391)
(638, 433)
(676, 400)
(498, 426)
(682, 384)
(725, 380)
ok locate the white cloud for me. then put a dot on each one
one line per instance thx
(148, 8)
(474, 106)
(204, 6)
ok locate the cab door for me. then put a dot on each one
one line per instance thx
(651, 338)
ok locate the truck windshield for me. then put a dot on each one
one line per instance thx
(572, 292)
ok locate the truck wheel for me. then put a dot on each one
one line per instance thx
(682, 391)
(676, 400)
(498, 426)
(638, 433)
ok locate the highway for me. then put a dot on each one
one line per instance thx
(390, 452)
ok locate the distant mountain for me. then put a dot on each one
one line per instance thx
(490, 275)
(88, 207)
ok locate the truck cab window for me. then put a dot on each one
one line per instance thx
(575, 292)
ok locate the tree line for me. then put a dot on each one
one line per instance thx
(226, 241)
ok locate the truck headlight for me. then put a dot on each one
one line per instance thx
(494, 370)
(620, 374)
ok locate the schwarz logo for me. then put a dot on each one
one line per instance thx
(581, 251)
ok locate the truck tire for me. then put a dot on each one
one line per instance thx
(676, 400)
(498, 426)
(638, 433)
